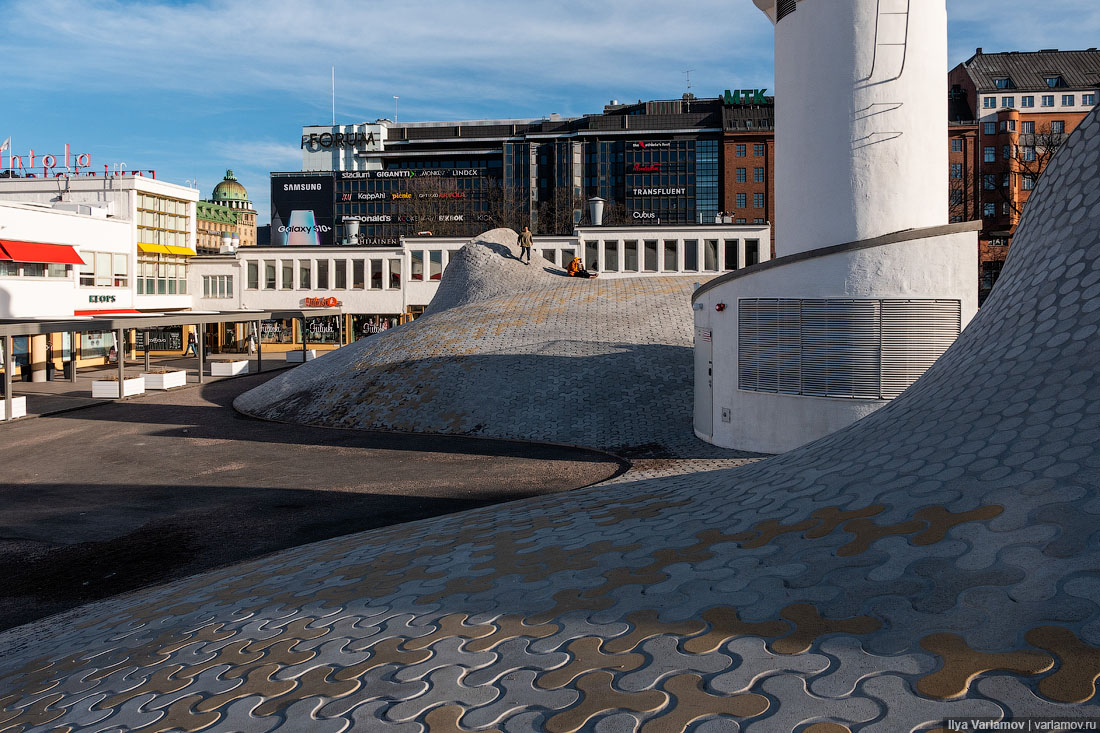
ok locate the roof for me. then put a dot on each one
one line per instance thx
(1029, 69)
(229, 189)
(209, 211)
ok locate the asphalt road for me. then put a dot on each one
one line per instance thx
(110, 498)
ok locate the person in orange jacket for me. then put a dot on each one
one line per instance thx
(575, 269)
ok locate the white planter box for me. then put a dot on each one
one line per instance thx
(228, 368)
(18, 408)
(106, 388)
(295, 357)
(166, 380)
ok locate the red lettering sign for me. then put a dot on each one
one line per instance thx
(652, 168)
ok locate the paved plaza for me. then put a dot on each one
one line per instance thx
(936, 559)
(511, 350)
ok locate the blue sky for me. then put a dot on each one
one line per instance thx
(193, 88)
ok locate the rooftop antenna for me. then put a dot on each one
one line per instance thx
(334, 96)
(687, 73)
(395, 109)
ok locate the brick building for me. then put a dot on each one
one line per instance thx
(1010, 112)
(227, 212)
(748, 164)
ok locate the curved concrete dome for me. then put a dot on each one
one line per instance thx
(511, 350)
(936, 559)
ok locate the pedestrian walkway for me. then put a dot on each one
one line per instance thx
(60, 395)
(937, 559)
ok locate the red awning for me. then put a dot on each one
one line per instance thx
(109, 311)
(57, 254)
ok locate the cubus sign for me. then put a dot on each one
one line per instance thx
(744, 96)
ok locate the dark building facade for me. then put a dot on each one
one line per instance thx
(656, 162)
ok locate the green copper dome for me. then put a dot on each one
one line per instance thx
(229, 190)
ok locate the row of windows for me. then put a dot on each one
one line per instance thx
(742, 201)
(740, 150)
(1027, 127)
(990, 209)
(654, 255)
(159, 274)
(33, 269)
(149, 202)
(162, 236)
(1046, 100)
(104, 270)
(757, 175)
(324, 274)
(1025, 153)
(1007, 180)
(217, 286)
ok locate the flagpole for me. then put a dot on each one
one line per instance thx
(334, 96)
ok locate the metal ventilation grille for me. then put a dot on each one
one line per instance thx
(785, 8)
(859, 349)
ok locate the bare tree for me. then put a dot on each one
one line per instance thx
(1026, 162)
(556, 215)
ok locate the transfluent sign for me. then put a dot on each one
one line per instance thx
(744, 96)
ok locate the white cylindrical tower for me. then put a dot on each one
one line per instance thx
(860, 119)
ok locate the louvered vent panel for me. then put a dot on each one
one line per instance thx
(914, 334)
(865, 349)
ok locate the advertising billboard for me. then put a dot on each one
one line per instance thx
(302, 211)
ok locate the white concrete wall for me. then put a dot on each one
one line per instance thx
(859, 149)
(46, 297)
(772, 423)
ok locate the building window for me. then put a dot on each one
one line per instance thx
(1004, 83)
(742, 176)
(1055, 81)
(1008, 101)
(253, 278)
(956, 145)
(740, 150)
(217, 286)
(957, 171)
(395, 274)
(376, 274)
(956, 219)
(287, 274)
(1068, 100)
(1029, 182)
(1007, 181)
(340, 274)
(990, 154)
(989, 181)
(1027, 153)
(416, 271)
(742, 200)
(1027, 101)
(269, 275)
(1006, 152)
(1027, 127)
(989, 210)
(1057, 126)
(1088, 100)
(758, 200)
(758, 150)
(956, 196)
(758, 175)
(322, 274)
(357, 275)
(989, 128)
(1048, 100)
(989, 102)
(1008, 125)
(162, 274)
(305, 270)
